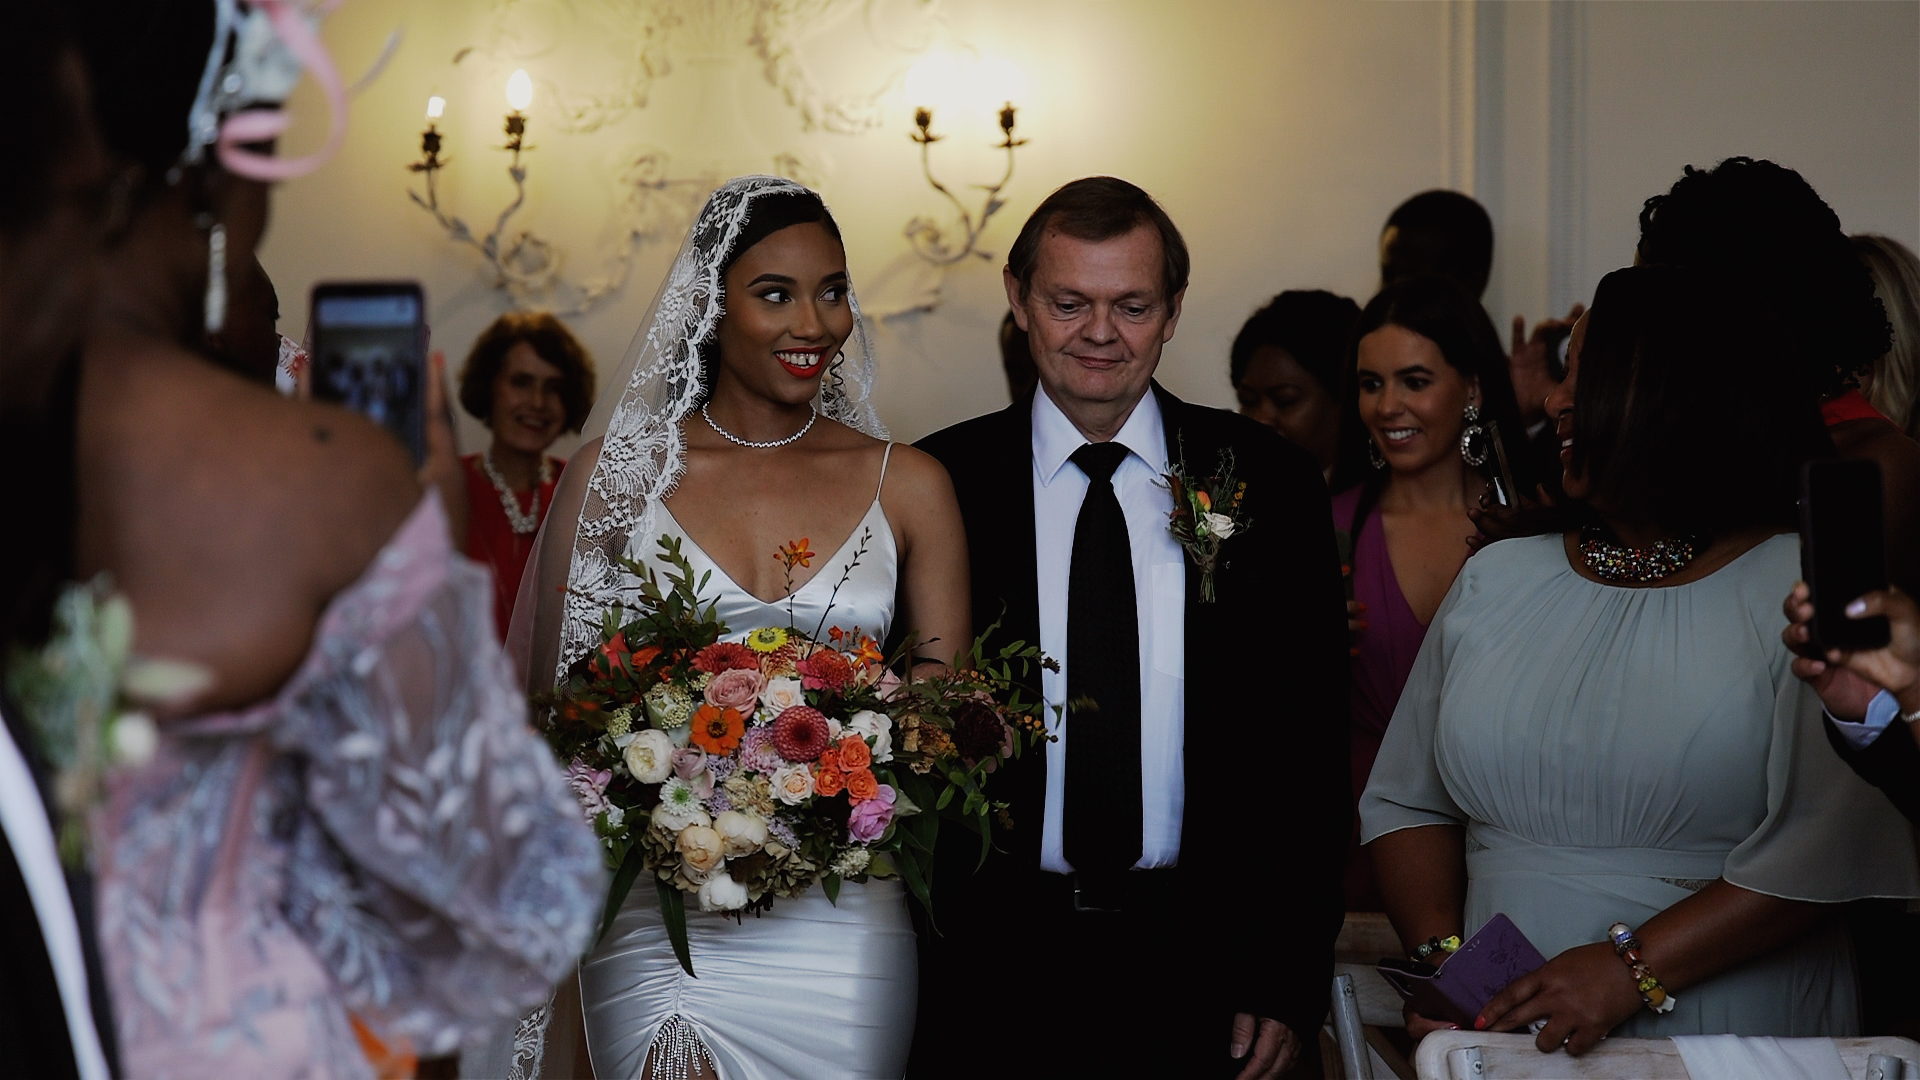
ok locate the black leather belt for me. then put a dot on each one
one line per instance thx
(1127, 890)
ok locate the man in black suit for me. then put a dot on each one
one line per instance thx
(53, 1012)
(1866, 691)
(1166, 900)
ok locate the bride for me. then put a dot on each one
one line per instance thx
(741, 422)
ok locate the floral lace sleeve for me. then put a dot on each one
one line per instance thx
(443, 874)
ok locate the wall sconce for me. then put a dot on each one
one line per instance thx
(931, 242)
(523, 263)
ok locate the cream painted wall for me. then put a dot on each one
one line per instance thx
(1278, 134)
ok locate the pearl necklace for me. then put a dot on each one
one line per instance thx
(1613, 561)
(775, 444)
(521, 523)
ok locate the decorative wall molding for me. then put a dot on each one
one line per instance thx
(1566, 154)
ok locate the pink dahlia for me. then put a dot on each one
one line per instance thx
(800, 733)
(725, 656)
(757, 752)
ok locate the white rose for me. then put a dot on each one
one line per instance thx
(883, 746)
(650, 756)
(741, 834)
(1220, 525)
(781, 695)
(700, 847)
(722, 893)
(792, 784)
(135, 738)
(869, 723)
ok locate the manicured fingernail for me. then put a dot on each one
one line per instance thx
(1360, 605)
(1856, 609)
(1353, 652)
(1479, 1023)
(1363, 624)
(1453, 1027)
(1239, 1050)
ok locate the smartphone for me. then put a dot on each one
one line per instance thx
(1842, 550)
(1502, 479)
(369, 353)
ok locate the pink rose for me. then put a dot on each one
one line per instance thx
(689, 762)
(871, 817)
(737, 689)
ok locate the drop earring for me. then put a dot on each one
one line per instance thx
(1373, 455)
(1473, 438)
(216, 303)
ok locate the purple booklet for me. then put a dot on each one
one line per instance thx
(1462, 985)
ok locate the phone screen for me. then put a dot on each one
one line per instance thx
(369, 354)
(1842, 549)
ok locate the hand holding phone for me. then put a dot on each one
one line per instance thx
(1842, 551)
(370, 354)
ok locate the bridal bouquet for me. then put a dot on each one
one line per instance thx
(737, 771)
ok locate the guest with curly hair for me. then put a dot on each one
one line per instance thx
(528, 379)
(1763, 228)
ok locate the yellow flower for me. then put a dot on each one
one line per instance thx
(766, 639)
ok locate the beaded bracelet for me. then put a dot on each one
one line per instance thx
(1448, 944)
(1627, 947)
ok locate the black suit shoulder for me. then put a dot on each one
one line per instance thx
(1890, 763)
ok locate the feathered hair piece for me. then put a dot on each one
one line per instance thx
(260, 49)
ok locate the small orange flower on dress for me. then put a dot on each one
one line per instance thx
(795, 553)
(718, 731)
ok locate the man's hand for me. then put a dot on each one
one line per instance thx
(1847, 679)
(1532, 375)
(1274, 1051)
(1582, 994)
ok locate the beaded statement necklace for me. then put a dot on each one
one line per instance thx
(522, 524)
(1611, 560)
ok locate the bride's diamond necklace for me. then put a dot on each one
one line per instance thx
(812, 415)
(521, 523)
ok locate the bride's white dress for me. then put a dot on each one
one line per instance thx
(810, 988)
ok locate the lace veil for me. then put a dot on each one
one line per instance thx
(635, 452)
(612, 489)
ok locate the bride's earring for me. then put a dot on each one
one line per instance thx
(1473, 438)
(1373, 455)
(216, 302)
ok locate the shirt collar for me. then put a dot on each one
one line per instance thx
(1055, 438)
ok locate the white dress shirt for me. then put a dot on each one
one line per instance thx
(31, 837)
(1160, 593)
(1860, 734)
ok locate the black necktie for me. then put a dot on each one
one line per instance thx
(1102, 823)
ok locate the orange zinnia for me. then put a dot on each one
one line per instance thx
(854, 753)
(861, 786)
(718, 731)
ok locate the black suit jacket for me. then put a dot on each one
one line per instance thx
(1268, 800)
(33, 1020)
(1890, 763)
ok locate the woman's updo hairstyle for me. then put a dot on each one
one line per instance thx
(145, 59)
(1762, 228)
(766, 215)
(1685, 414)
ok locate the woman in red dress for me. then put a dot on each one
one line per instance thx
(528, 379)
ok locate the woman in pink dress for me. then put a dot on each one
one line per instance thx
(1429, 385)
(349, 814)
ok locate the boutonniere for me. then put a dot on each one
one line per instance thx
(84, 696)
(1206, 512)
